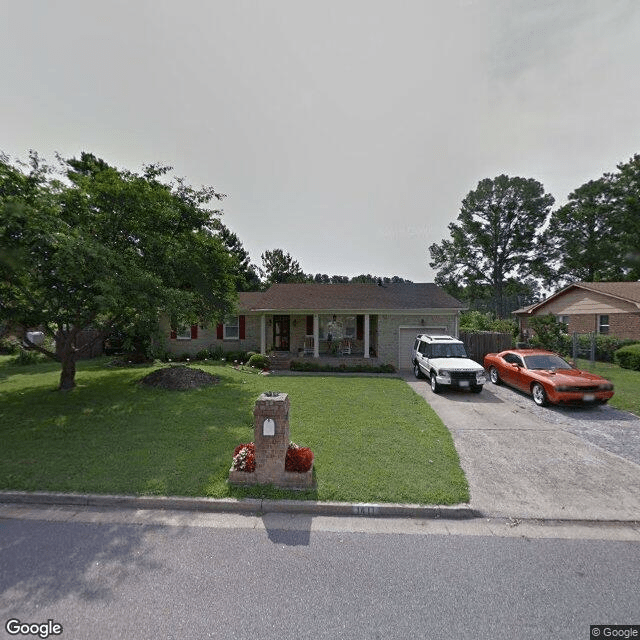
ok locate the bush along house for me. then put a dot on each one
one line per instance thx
(359, 323)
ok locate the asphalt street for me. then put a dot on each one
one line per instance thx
(211, 577)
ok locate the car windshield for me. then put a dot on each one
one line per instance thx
(546, 361)
(448, 351)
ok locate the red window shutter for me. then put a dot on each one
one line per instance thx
(220, 332)
(194, 331)
(359, 327)
(309, 325)
(174, 334)
(242, 327)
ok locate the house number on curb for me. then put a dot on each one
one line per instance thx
(365, 510)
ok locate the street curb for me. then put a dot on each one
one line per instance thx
(252, 506)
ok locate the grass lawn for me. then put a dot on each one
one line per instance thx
(626, 384)
(374, 439)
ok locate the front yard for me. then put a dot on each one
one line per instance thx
(374, 439)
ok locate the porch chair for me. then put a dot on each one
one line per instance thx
(345, 347)
(308, 346)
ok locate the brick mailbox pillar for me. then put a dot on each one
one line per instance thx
(271, 439)
(271, 435)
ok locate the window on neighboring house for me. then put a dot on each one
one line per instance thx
(603, 325)
(563, 319)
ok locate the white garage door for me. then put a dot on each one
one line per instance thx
(408, 337)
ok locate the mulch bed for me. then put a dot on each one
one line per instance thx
(179, 378)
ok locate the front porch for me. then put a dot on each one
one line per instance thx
(332, 336)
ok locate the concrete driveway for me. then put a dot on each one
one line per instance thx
(525, 461)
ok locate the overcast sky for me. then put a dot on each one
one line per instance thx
(345, 132)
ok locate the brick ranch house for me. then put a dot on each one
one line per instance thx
(606, 308)
(368, 322)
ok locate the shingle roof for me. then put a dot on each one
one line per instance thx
(624, 290)
(350, 297)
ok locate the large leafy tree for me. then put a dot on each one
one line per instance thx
(107, 249)
(494, 239)
(582, 241)
(626, 194)
(596, 235)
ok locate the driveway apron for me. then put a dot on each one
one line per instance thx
(525, 461)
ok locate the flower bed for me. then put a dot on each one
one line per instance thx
(298, 459)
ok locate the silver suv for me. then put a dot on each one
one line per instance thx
(444, 361)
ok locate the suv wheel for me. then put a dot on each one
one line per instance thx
(416, 371)
(435, 387)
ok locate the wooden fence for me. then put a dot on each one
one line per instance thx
(479, 344)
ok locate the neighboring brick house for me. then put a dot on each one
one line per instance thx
(368, 321)
(607, 308)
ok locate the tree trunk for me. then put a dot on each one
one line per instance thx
(68, 373)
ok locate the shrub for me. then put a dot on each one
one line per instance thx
(216, 352)
(244, 457)
(476, 321)
(628, 357)
(259, 361)
(298, 459)
(26, 357)
(9, 346)
(306, 365)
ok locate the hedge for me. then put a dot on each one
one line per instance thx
(628, 357)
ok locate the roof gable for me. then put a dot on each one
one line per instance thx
(626, 291)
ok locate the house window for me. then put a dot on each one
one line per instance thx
(184, 332)
(603, 325)
(231, 328)
(563, 319)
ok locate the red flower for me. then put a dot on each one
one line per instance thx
(299, 459)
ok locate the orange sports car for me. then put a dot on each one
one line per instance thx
(547, 377)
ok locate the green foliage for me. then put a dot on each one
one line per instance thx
(108, 248)
(26, 357)
(606, 346)
(279, 267)
(9, 346)
(495, 238)
(306, 365)
(628, 357)
(550, 334)
(110, 435)
(474, 321)
(258, 361)
(581, 242)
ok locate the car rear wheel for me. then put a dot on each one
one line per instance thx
(494, 375)
(539, 394)
(435, 387)
(416, 371)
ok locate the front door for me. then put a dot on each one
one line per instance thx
(281, 333)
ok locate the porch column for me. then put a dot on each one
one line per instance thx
(366, 335)
(263, 334)
(316, 336)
